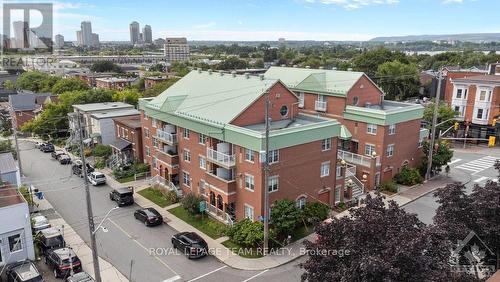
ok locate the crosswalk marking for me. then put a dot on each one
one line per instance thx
(478, 165)
(481, 179)
(454, 161)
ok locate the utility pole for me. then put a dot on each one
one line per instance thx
(434, 125)
(14, 130)
(266, 178)
(93, 245)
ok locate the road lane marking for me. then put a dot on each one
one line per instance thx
(208, 273)
(258, 274)
(142, 246)
(480, 179)
(478, 165)
(454, 161)
(172, 279)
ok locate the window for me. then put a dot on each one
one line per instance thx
(148, 151)
(461, 93)
(249, 156)
(249, 182)
(325, 169)
(201, 185)
(482, 95)
(284, 111)
(390, 150)
(338, 190)
(146, 132)
(123, 132)
(301, 99)
(155, 162)
(155, 142)
(203, 162)
(371, 128)
(185, 133)
(15, 243)
(202, 139)
(301, 202)
(272, 185)
(479, 113)
(392, 129)
(153, 122)
(369, 149)
(338, 172)
(274, 156)
(355, 100)
(421, 142)
(186, 180)
(326, 144)
(248, 212)
(187, 155)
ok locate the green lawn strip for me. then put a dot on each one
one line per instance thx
(205, 224)
(126, 179)
(155, 196)
(242, 251)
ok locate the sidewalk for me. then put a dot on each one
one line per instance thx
(82, 250)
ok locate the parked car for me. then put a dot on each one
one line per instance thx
(77, 168)
(62, 261)
(64, 159)
(191, 244)
(38, 223)
(122, 196)
(96, 178)
(23, 271)
(51, 238)
(80, 277)
(149, 216)
(38, 144)
(56, 154)
(47, 148)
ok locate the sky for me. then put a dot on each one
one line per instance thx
(273, 19)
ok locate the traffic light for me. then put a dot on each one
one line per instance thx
(455, 126)
(494, 122)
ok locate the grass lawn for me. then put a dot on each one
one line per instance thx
(126, 179)
(241, 251)
(155, 196)
(207, 225)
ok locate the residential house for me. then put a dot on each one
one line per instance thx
(206, 135)
(114, 83)
(103, 127)
(26, 106)
(9, 171)
(15, 230)
(127, 147)
(151, 81)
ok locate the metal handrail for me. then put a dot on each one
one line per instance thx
(166, 136)
(221, 158)
(320, 106)
(355, 158)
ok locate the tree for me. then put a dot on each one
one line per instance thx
(36, 81)
(284, 217)
(179, 68)
(232, 63)
(9, 85)
(369, 61)
(160, 87)
(398, 80)
(129, 96)
(6, 146)
(383, 244)
(105, 66)
(315, 212)
(69, 84)
(441, 156)
(445, 112)
(247, 233)
(158, 68)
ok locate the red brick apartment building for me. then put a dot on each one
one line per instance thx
(333, 137)
(128, 146)
(151, 81)
(25, 107)
(114, 83)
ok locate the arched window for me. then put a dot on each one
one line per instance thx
(220, 203)
(301, 202)
(406, 163)
(212, 198)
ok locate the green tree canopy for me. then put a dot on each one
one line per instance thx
(129, 96)
(105, 66)
(9, 85)
(36, 81)
(398, 80)
(441, 156)
(369, 61)
(284, 216)
(159, 87)
(69, 84)
(445, 112)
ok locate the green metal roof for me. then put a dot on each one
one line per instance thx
(344, 133)
(211, 96)
(391, 113)
(328, 82)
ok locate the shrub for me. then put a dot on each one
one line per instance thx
(191, 202)
(408, 176)
(87, 152)
(284, 216)
(141, 167)
(102, 151)
(100, 164)
(171, 197)
(389, 186)
(341, 206)
(247, 233)
(315, 212)
(219, 228)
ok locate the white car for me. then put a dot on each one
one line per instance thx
(96, 178)
(39, 222)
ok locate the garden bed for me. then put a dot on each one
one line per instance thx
(242, 251)
(209, 226)
(156, 197)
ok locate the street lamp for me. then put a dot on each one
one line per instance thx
(104, 229)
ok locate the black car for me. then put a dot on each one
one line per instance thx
(23, 271)
(62, 261)
(191, 244)
(122, 196)
(47, 148)
(50, 238)
(149, 216)
(77, 168)
(80, 277)
(64, 159)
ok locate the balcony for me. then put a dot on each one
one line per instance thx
(169, 156)
(222, 179)
(220, 158)
(320, 106)
(167, 137)
(356, 158)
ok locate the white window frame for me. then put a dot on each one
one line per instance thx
(338, 193)
(463, 93)
(301, 202)
(155, 162)
(148, 151)
(249, 155)
(390, 150)
(146, 132)
(338, 172)
(186, 179)
(273, 184)
(202, 139)
(368, 145)
(186, 133)
(248, 212)
(154, 123)
(301, 99)
(18, 245)
(371, 128)
(326, 144)
(203, 162)
(392, 129)
(186, 155)
(324, 169)
(274, 156)
(249, 182)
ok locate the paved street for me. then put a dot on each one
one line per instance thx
(127, 242)
(466, 166)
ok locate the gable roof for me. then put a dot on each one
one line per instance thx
(315, 80)
(22, 102)
(210, 96)
(7, 163)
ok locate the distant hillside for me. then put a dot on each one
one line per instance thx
(471, 37)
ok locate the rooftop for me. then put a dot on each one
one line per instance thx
(156, 77)
(391, 112)
(115, 113)
(130, 121)
(94, 107)
(115, 79)
(480, 78)
(9, 197)
(301, 120)
(7, 163)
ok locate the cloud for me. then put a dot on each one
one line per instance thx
(355, 4)
(205, 25)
